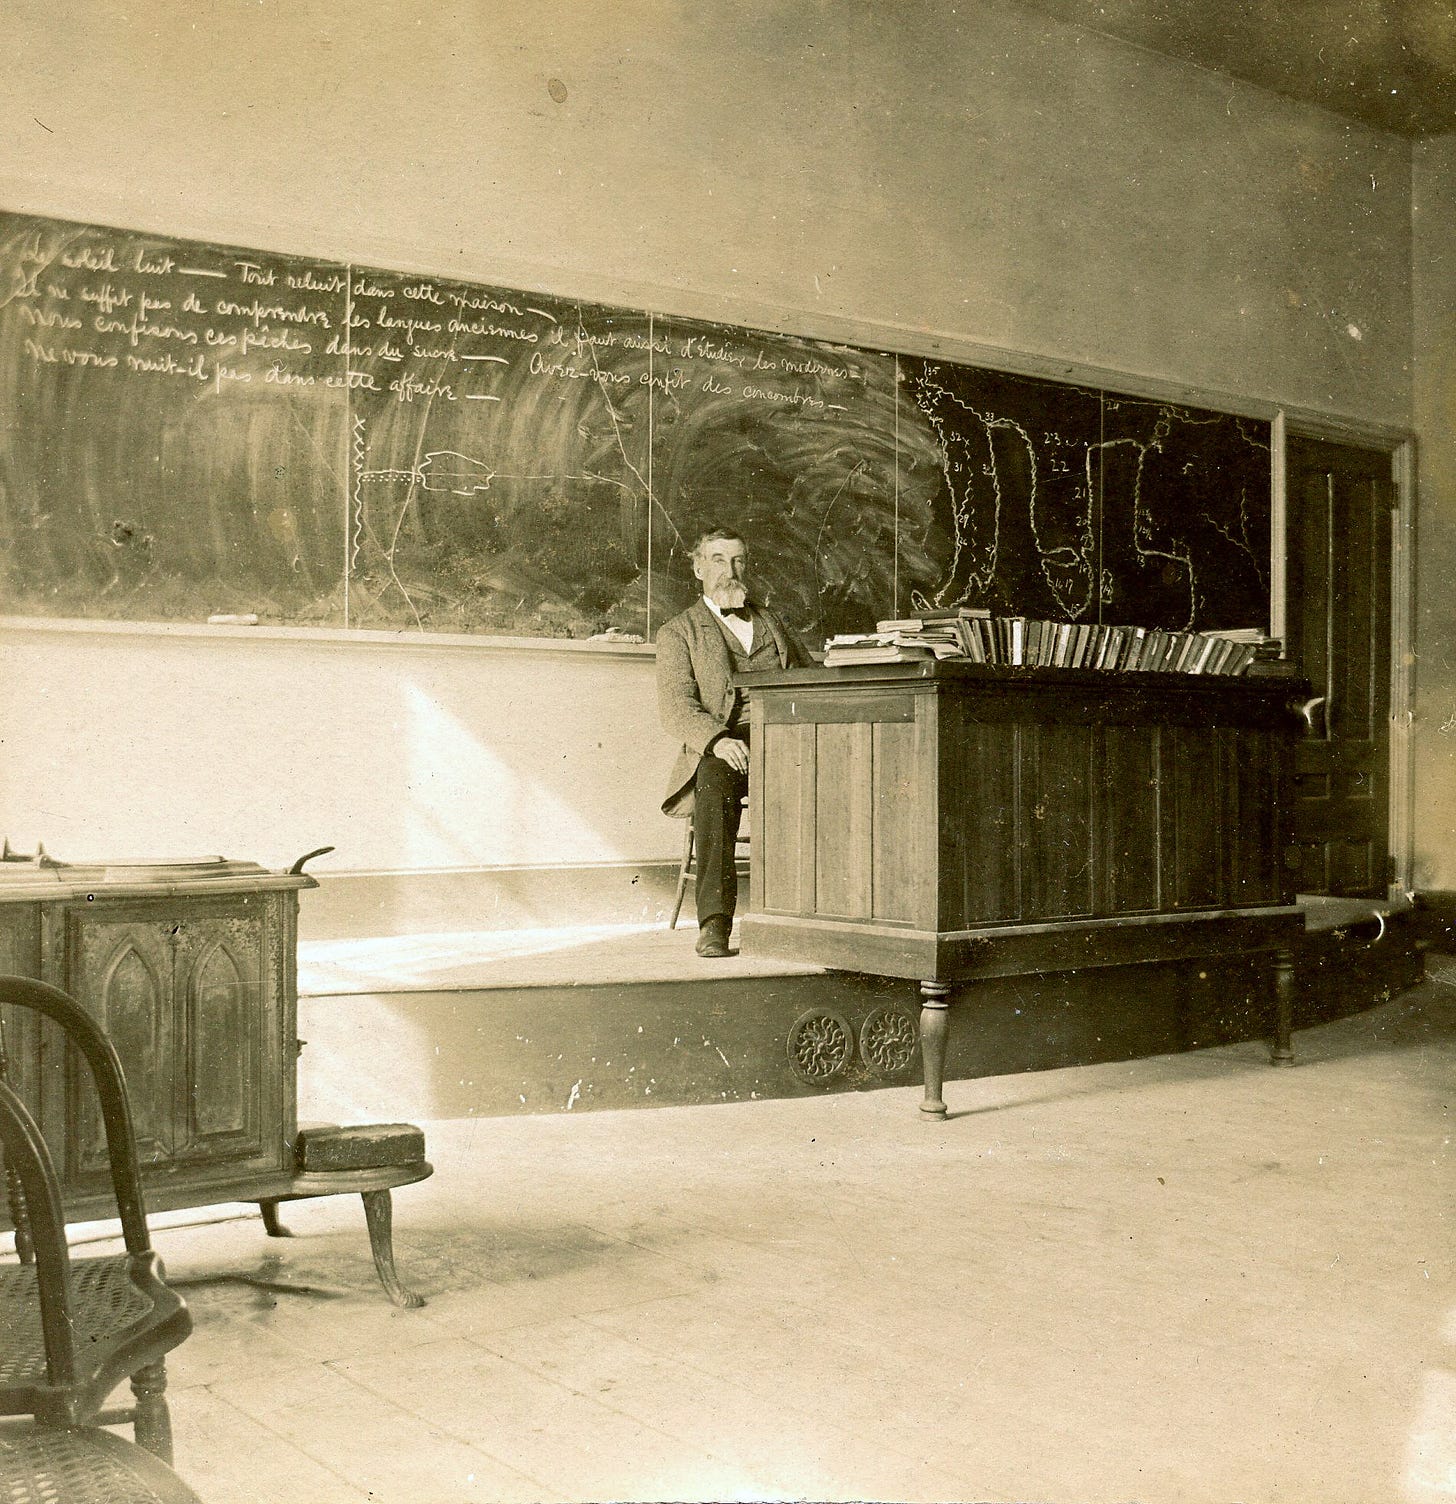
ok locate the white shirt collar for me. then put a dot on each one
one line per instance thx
(740, 627)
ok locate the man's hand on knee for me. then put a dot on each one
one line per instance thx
(734, 753)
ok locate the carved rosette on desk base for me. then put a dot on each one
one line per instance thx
(952, 822)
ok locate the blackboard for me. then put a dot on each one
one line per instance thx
(191, 429)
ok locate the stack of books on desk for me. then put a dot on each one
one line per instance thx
(879, 647)
(906, 639)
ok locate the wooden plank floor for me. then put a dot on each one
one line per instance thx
(1185, 1278)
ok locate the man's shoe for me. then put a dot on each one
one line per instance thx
(713, 937)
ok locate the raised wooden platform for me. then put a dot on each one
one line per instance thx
(550, 1021)
(474, 960)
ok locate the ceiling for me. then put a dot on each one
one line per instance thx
(1388, 63)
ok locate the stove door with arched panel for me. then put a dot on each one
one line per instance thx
(196, 991)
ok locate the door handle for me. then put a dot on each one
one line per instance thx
(1316, 706)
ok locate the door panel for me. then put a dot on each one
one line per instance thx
(1340, 500)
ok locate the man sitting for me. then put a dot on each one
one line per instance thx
(698, 653)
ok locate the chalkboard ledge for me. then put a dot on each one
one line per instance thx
(334, 636)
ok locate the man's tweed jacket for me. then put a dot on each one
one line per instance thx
(695, 686)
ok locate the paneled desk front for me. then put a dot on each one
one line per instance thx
(946, 822)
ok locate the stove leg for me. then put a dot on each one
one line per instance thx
(379, 1214)
(271, 1225)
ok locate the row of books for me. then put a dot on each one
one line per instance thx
(967, 633)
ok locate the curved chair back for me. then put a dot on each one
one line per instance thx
(72, 1328)
(85, 1033)
(27, 1156)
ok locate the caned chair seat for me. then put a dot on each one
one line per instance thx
(82, 1465)
(107, 1306)
(687, 869)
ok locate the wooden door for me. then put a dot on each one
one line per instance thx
(1339, 538)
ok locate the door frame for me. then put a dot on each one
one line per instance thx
(1400, 446)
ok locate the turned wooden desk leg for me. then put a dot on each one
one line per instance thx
(379, 1214)
(1281, 1051)
(934, 1020)
(153, 1425)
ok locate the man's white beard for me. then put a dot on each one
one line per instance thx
(730, 596)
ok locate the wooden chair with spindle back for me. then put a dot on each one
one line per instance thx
(71, 1329)
(688, 869)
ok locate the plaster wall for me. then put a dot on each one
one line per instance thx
(1434, 730)
(179, 743)
(918, 173)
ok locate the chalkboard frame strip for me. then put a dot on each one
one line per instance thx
(1278, 531)
(16, 626)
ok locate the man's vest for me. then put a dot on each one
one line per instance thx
(765, 655)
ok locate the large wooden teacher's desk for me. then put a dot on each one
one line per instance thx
(948, 822)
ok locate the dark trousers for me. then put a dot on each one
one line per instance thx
(717, 806)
